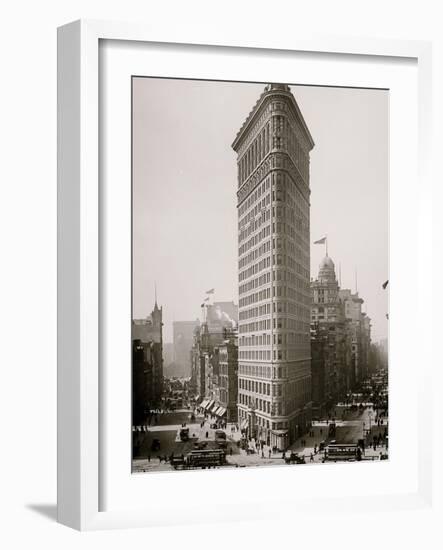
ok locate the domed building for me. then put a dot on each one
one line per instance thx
(328, 339)
(326, 306)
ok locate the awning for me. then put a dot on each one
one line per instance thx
(221, 411)
(214, 407)
(244, 424)
(208, 404)
(204, 403)
(280, 432)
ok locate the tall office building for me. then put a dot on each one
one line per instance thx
(273, 147)
(183, 335)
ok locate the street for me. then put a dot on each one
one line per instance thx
(352, 425)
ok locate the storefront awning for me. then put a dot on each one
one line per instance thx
(221, 411)
(279, 432)
(204, 403)
(208, 405)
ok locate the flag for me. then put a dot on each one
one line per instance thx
(206, 299)
(384, 285)
(320, 241)
(211, 291)
(203, 305)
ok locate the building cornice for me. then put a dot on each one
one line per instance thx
(258, 108)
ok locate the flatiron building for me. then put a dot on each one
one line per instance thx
(274, 362)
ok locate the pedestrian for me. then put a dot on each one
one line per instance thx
(230, 451)
(269, 451)
(149, 458)
(262, 454)
(312, 458)
(207, 434)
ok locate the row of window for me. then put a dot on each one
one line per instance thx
(278, 339)
(256, 209)
(262, 249)
(260, 404)
(263, 324)
(277, 354)
(255, 153)
(302, 312)
(255, 283)
(288, 255)
(253, 198)
(255, 355)
(255, 268)
(262, 388)
(255, 340)
(277, 323)
(253, 226)
(277, 291)
(259, 296)
(278, 275)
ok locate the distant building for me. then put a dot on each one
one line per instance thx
(365, 335)
(330, 354)
(228, 375)
(141, 381)
(220, 319)
(149, 329)
(168, 354)
(353, 314)
(147, 353)
(273, 148)
(146, 384)
(183, 336)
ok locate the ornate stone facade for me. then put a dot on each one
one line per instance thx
(273, 147)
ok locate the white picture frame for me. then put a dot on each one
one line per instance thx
(80, 264)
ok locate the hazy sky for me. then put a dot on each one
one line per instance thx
(185, 183)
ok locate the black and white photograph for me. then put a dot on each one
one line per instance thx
(260, 274)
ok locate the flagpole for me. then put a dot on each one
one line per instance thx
(326, 242)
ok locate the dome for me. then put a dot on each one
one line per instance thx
(327, 263)
(326, 272)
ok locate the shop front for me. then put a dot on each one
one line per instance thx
(279, 439)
